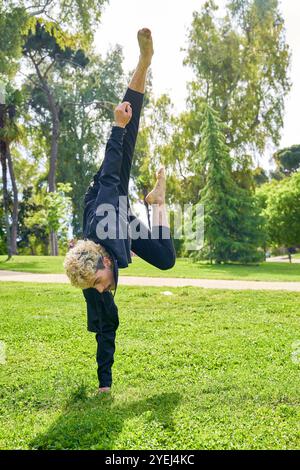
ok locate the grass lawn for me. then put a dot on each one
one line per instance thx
(201, 369)
(184, 268)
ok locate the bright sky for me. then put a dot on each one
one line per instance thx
(169, 21)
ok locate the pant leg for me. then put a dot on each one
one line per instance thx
(106, 345)
(158, 248)
(136, 99)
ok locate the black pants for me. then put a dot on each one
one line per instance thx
(158, 251)
(106, 344)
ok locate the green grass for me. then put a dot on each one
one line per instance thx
(33, 264)
(183, 268)
(202, 369)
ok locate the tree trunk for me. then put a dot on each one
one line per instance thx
(14, 227)
(54, 109)
(53, 160)
(4, 184)
(53, 243)
(5, 200)
(54, 147)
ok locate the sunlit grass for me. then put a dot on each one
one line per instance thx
(183, 268)
(200, 369)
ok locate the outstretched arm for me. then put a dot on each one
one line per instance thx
(104, 189)
(108, 178)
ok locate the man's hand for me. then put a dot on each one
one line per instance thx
(123, 114)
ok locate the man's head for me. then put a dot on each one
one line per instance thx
(88, 264)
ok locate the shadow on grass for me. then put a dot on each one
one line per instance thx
(96, 422)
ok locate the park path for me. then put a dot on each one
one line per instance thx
(160, 282)
(282, 259)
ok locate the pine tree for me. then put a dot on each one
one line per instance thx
(232, 225)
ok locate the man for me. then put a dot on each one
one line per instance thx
(93, 263)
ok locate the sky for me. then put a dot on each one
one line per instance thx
(169, 22)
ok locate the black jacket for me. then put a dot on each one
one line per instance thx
(105, 190)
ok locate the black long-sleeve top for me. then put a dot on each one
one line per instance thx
(105, 190)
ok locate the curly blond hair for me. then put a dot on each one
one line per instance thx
(81, 263)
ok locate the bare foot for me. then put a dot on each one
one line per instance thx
(146, 46)
(157, 195)
(103, 390)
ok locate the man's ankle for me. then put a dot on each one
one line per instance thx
(104, 389)
(144, 62)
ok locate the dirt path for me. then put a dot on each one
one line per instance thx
(160, 282)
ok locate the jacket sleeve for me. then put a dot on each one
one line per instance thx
(100, 306)
(104, 187)
(109, 176)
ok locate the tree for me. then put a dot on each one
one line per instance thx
(33, 237)
(48, 56)
(54, 213)
(280, 203)
(50, 42)
(152, 146)
(180, 154)
(231, 220)
(86, 113)
(87, 101)
(288, 160)
(3, 245)
(240, 64)
(10, 133)
(260, 176)
(82, 16)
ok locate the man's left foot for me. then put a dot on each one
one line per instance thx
(103, 390)
(157, 195)
(146, 46)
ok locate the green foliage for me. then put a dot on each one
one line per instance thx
(259, 175)
(240, 64)
(11, 22)
(12, 131)
(32, 238)
(232, 226)
(288, 160)
(153, 147)
(80, 16)
(87, 102)
(280, 202)
(58, 206)
(52, 212)
(43, 40)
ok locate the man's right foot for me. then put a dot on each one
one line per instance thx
(146, 46)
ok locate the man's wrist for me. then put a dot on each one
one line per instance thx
(118, 132)
(119, 125)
